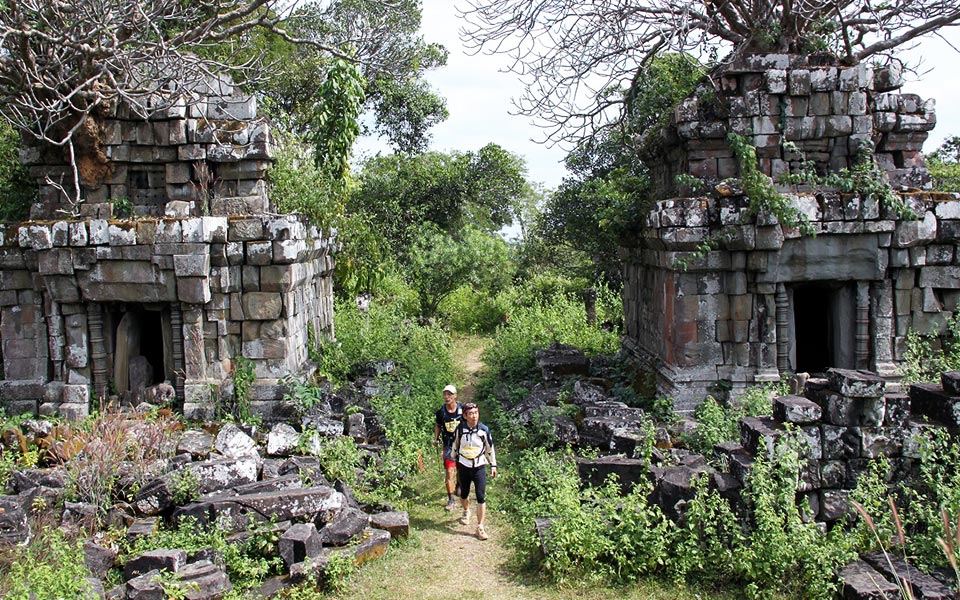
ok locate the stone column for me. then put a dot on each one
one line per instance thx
(98, 350)
(881, 304)
(176, 333)
(863, 326)
(783, 328)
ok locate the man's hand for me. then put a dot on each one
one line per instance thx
(493, 472)
(436, 442)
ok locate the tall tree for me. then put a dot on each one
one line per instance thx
(576, 58)
(483, 188)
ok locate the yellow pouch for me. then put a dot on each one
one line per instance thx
(471, 452)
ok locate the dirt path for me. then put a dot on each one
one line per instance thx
(444, 559)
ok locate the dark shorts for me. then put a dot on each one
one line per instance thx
(475, 475)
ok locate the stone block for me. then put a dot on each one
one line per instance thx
(191, 265)
(930, 400)
(193, 290)
(300, 542)
(673, 487)
(760, 435)
(796, 409)
(895, 568)
(262, 306)
(940, 277)
(628, 471)
(204, 580)
(834, 504)
(346, 525)
(950, 381)
(239, 512)
(855, 384)
(880, 441)
(396, 522)
(840, 443)
(162, 559)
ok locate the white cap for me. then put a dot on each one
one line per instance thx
(451, 388)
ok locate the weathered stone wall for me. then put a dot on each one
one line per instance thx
(731, 315)
(223, 287)
(209, 149)
(829, 112)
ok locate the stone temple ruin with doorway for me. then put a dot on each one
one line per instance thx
(768, 300)
(93, 305)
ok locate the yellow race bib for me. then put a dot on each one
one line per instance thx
(471, 452)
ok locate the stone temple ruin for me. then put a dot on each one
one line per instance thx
(767, 300)
(92, 305)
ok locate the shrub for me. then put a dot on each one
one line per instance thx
(717, 423)
(17, 189)
(248, 561)
(927, 356)
(50, 566)
(562, 319)
(468, 310)
(424, 366)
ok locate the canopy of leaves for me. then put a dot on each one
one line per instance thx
(574, 57)
(584, 220)
(383, 36)
(944, 165)
(440, 263)
(17, 188)
(399, 192)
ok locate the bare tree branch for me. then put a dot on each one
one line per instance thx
(564, 48)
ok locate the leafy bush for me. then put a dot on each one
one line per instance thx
(17, 189)
(248, 561)
(50, 566)
(424, 366)
(561, 319)
(468, 310)
(717, 423)
(928, 356)
(339, 459)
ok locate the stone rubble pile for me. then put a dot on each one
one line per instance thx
(846, 421)
(237, 478)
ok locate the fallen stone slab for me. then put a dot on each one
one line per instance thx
(98, 559)
(796, 409)
(346, 525)
(560, 361)
(924, 586)
(306, 467)
(950, 380)
(760, 435)
(856, 384)
(145, 587)
(203, 580)
(372, 545)
(673, 487)
(155, 560)
(860, 581)
(27, 479)
(930, 400)
(197, 443)
(141, 528)
(14, 525)
(629, 471)
(238, 512)
(397, 522)
(233, 442)
(282, 440)
(211, 476)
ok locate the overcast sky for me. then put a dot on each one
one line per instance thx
(478, 97)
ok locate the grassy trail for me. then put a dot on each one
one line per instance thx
(443, 560)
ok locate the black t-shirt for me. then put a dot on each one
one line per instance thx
(448, 421)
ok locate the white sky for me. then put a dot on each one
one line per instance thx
(479, 98)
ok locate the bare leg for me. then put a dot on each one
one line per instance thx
(451, 479)
(481, 512)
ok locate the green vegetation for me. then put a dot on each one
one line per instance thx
(17, 188)
(50, 566)
(717, 423)
(247, 562)
(932, 353)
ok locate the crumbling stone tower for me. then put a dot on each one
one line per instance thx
(92, 304)
(767, 300)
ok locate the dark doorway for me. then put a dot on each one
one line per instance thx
(824, 326)
(139, 336)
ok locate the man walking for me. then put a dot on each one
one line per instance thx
(473, 450)
(444, 430)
